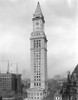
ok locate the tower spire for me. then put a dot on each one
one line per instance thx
(38, 10)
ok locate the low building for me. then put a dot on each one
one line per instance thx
(57, 96)
(10, 83)
(7, 81)
(69, 89)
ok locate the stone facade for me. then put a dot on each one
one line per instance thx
(10, 83)
(69, 89)
(38, 51)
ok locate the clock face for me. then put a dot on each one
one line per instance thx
(37, 23)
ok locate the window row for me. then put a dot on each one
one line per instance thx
(37, 84)
(36, 73)
(37, 55)
(37, 76)
(37, 51)
(37, 79)
(36, 63)
(37, 43)
(33, 93)
(33, 98)
(37, 70)
(37, 66)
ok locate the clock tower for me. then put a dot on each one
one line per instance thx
(38, 50)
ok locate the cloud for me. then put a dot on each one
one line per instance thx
(61, 30)
(60, 9)
(13, 0)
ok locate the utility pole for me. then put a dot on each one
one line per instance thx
(8, 67)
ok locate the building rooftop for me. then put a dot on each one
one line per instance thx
(76, 71)
(38, 10)
(49, 97)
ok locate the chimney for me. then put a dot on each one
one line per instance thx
(68, 76)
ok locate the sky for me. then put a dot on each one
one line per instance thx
(61, 28)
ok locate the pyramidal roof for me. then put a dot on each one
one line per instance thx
(76, 71)
(38, 10)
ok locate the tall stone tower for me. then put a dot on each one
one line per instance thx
(38, 57)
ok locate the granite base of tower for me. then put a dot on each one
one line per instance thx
(36, 93)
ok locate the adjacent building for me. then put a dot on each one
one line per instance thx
(10, 82)
(18, 80)
(38, 52)
(69, 90)
(7, 81)
(57, 96)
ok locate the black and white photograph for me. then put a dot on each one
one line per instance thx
(38, 49)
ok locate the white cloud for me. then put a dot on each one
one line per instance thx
(12, 0)
(16, 27)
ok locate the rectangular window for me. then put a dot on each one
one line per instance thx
(34, 84)
(37, 97)
(37, 93)
(34, 42)
(40, 93)
(39, 84)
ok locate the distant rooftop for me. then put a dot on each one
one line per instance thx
(75, 71)
(49, 97)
